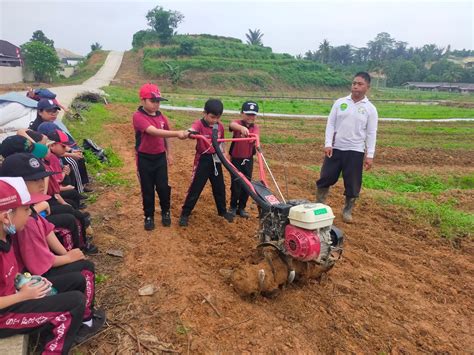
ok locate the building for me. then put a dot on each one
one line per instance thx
(11, 63)
(464, 88)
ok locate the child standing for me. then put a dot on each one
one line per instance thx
(153, 151)
(241, 154)
(207, 165)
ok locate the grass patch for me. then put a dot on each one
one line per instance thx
(100, 278)
(280, 139)
(413, 182)
(86, 69)
(450, 222)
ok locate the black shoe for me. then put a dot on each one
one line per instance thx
(83, 197)
(149, 223)
(88, 189)
(243, 213)
(233, 211)
(85, 332)
(228, 216)
(183, 221)
(90, 249)
(82, 206)
(166, 219)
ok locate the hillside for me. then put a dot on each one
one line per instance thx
(226, 62)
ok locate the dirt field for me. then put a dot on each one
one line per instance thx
(398, 288)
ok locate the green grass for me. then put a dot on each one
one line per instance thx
(298, 106)
(414, 182)
(450, 222)
(86, 69)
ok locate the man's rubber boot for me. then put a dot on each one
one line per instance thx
(322, 194)
(347, 210)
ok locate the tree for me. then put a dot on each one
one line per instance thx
(380, 47)
(254, 38)
(324, 51)
(341, 55)
(41, 59)
(164, 22)
(96, 46)
(39, 36)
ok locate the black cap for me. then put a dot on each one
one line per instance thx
(47, 104)
(36, 136)
(250, 108)
(19, 144)
(24, 165)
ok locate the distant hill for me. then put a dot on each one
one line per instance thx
(193, 60)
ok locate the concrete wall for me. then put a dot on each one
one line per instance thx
(67, 71)
(10, 75)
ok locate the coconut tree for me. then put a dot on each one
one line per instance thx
(254, 38)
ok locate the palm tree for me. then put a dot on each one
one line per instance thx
(254, 38)
(324, 51)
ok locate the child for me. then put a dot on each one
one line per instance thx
(242, 155)
(28, 310)
(207, 165)
(153, 154)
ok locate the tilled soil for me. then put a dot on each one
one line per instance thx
(398, 287)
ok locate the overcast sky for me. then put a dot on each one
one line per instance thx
(288, 26)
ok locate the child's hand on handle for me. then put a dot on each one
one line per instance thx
(34, 290)
(244, 131)
(183, 134)
(328, 151)
(75, 255)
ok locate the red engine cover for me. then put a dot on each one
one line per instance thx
(302, 244)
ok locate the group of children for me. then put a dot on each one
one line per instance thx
(153, 153)
(44, 232)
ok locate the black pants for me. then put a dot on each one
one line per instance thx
(72, 197)
(350, 163)
(238, 195)
(204, 169)
(78, 176)
(84, 222)
(69, 222)
(59, 317)
(153, 175)
(82, 269)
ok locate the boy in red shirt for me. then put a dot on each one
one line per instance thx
(207, 165)
(241, 154)
(153, 150)
(29, 309)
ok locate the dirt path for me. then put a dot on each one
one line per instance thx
(397, 289)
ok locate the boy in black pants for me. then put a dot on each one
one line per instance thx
(241, 154)
(207, 165)
(152, 133)
(59, 316)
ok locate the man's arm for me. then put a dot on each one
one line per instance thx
(330, 129)
(371, 139)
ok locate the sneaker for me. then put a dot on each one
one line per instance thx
(85, 332)
(243, 213)
(82, 206)
(183, 221)
(233, 211)
(88, 189)
(228, 216)
(149, 223)
(83, 197)
(166, 219)
(90, 249)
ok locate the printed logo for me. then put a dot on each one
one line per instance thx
(34, 163)
(361, 110)
(252, 107)
(272, 200)
(343, 106)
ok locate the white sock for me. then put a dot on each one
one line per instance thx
(88, 323)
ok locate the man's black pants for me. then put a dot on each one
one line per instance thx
(350, 163)
(238, 195)
(205, 169)
(153, 175)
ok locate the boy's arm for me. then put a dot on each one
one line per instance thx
(27, 292)
(70, 257)
(55, 245)
(60, 199)
(234, 126)
(163, 133)
(169, 155)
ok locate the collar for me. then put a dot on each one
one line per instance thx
(204, 123)
(243, 123)
(364, 100)
(140, 109)
(6, 245)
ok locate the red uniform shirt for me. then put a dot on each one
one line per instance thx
(144, 142)
(8, 268)
(243, 150)
(204, 129)
(52, 163)
(32, 246)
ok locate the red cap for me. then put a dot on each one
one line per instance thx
(14, 193)
(151, 91)
(58, 136)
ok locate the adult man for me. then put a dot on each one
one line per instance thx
(350, 143)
